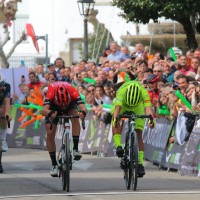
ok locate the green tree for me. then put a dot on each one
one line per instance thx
(186, 12)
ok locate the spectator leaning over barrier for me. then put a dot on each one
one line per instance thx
(33, 81)
(90, 98)
(182, 83)
(131, 96)
(153, 91)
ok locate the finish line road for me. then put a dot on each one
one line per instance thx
(26, 177)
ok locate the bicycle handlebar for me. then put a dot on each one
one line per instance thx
(134, 116)
(72, 117)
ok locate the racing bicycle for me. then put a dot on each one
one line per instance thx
(65, 156)
(131, 150)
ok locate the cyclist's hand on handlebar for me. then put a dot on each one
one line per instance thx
(52, 114)
(116, 121)
(82, 114)
(151, 123)
(8, 117)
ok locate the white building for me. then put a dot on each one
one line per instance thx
(64, 25)
(61, 21)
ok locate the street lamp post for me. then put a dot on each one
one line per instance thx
(85, 9)
(45, 38)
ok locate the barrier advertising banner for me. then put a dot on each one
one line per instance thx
(97, 137)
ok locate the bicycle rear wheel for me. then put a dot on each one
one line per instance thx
(127, 169)
(134, 160)
(66, 164)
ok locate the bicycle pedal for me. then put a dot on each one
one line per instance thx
(77, 158)
(55, 175)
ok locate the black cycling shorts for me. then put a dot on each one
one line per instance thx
(55, 107)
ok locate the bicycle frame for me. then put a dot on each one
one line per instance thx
(65, 155)
(65, 136)
(131, 150)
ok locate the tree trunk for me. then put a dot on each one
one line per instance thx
(4, 38)
(3, 60)
(190, 41)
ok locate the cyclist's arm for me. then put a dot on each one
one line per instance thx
(117, 111)
(148, 111)
(82, 108)
(45, 110)
(7, 106)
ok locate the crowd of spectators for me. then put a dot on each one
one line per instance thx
(160, 74)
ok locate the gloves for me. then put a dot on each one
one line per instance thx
(151, 123)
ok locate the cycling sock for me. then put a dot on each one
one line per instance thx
(141, 157)
(53, 158)
(76, 141)
(3, 134)
(117, 139)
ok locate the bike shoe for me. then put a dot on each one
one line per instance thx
(4, 146)
(54, 171)
(119, 151)
(141, 171)
(77, 155)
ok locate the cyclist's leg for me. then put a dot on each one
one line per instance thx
(51, 146)
(117, 129)
(75, 133)
(3, 125)
(117, 139)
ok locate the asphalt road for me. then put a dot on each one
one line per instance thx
(27, 177)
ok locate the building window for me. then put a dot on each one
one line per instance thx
(19, 26)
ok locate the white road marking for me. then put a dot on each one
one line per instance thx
(102, 193)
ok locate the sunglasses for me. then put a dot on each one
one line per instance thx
(156, 71)
(91, 90)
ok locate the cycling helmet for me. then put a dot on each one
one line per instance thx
(62, 97)
(2, 83)
(152, 78)
(133, 95)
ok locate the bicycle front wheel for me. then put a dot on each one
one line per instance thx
(66, 164)
(127, 168)
(134, 152)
